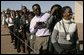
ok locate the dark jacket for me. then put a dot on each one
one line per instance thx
(17, 23)
(52, 21)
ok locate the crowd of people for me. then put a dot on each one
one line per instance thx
(34, 32)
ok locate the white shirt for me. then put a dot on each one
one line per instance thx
(11, 22)
(70, 26)
(41, 18)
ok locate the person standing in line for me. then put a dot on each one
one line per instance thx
(16, 29)
(3, 19)
(13, 17)
(28, 34)
(10, 23)
(39, 30)
(23, 22)
(56, 15)
(65, 37)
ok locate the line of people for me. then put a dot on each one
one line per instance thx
(46, 33)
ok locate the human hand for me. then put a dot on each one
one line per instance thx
(53, 10)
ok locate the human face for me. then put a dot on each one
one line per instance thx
(30, 16)
(8, 15)
(20, 13)
(13, 14)
(67, 14)
(36, 10)
(24, 10)
(17, 14)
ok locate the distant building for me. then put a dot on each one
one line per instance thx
(79, 20)
(79, 17)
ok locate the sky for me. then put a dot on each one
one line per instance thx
(45, 5)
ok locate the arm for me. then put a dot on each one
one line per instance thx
(44, 17)
(54, 40)
(53, 10)
(54, 35)
(32, 25)
(49, 23)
